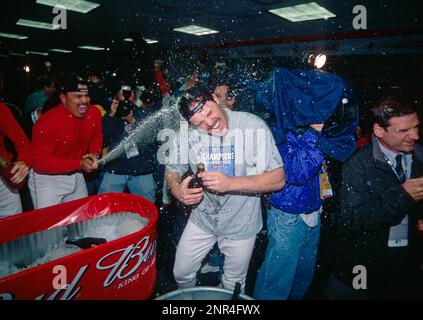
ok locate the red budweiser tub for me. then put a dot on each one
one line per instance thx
(32, 245)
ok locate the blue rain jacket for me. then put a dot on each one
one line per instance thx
(297, 99)
(302, 165)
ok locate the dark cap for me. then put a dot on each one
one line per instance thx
(71, 82)
(194, 94)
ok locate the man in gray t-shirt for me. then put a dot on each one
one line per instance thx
(241, 161)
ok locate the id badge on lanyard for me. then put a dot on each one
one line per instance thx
(398, 235)
(326, 191)
(131, 150)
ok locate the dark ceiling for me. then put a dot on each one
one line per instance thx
(238, 22)
(246, 30)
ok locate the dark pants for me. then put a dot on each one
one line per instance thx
(337, 290)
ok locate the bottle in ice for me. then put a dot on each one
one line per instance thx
(87, 242)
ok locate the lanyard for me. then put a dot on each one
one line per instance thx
(393, 168)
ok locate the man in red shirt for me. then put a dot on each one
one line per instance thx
(66, 141)
(10, 202)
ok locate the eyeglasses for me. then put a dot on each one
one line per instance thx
(407, 131)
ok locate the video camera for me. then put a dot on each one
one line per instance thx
(125, 106)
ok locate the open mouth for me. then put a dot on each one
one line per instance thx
(216, 126)
(82, 108)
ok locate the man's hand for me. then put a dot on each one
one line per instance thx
(186, 195)
(317, 126)
(89, 162)
(216, 181)
(20, 171)
(414, 187)
(91, 156)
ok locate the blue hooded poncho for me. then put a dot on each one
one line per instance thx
(297, 99)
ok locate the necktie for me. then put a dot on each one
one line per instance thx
(399, 169)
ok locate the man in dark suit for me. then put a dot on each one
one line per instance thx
(382, 189)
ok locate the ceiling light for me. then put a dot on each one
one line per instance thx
(149, 41)
(73, 5)
(37, 24)
(196, 30)
(91, 48)
(60, 50)
(12, 36)
(303, 12)
(320, 61)
(4, 56)
(146, 40)
(37, 53)
(17, 54)
(315, 60)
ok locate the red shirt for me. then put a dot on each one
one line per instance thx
(10, 127)
(162, 82)
(59, 140)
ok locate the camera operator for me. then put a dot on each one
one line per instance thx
(133, 170)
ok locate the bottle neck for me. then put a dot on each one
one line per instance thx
(200, 168)
(3, 163)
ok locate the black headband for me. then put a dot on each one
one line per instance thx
(199, 105)
(194, 96)
(186, 111)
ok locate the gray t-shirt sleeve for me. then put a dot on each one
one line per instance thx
(268, 156)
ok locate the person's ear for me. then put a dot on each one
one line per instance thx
(62, 98)
(378, 130)
(215, 99)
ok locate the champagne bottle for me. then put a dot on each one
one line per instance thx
(3, 163)
(87, 242)
(5, 172)
(187, 174)
(195, 182)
